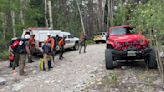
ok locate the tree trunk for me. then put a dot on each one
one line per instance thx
(111, 12)
(22, 18)
(13, 23)
(50, 13)
(45, 13)
(81, 18)
(100, 15)
(3, 25)
(108, 14)
(21, 12)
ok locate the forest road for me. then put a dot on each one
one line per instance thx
(84, 72)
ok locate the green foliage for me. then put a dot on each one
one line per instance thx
(3, 45)
(145, 16)
(4, 55)
(90, 42)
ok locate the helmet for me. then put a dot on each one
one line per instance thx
(27, 36)
(48, 34)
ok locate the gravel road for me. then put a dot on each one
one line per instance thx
(83, 73)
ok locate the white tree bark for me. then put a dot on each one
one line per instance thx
(3, 25)
(50, 13)
(45, 13)
(13, 23)
(81, 18)
(21, 12)
(22, 18)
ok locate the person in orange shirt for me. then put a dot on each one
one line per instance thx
(61, 43)
(31, 47)
(50, 41)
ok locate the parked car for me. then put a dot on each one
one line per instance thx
(124, 43)
(100, 37)
(71, 41)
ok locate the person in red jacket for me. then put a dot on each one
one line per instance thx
(14, 51)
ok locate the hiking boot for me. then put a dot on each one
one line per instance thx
(23, 74)
(31, 61)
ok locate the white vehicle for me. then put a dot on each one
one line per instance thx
(70, 41)
(40, 37)
(41, 34)
(100, 37)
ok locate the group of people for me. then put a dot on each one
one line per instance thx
(50, 48)
(22, 49)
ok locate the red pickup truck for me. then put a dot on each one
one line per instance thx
(123, 43)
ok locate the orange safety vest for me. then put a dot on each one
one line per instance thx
(32, 43)
(51, 41)
(61, 42)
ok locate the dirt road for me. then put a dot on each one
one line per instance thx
(84, 73)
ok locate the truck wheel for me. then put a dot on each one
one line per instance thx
(76, 47)
(151, 60)
(108, 59)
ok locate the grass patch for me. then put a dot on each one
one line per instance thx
(90, 42)
(4, 55)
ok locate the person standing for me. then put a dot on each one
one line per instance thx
(54, 49)
(23, 50)
(50, 41)
(32, 47)
(83, 38)
(14, 51)
(61, 44)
